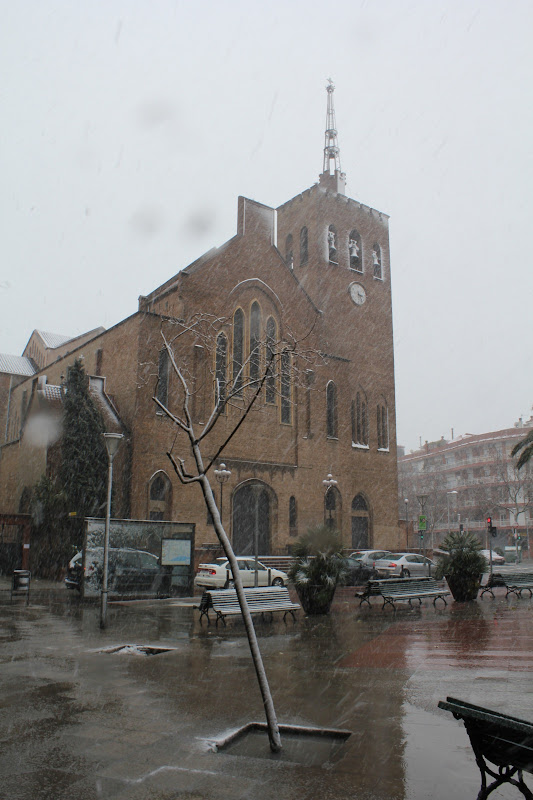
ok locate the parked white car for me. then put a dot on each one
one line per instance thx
(405, 565)
(218, 575)
(496, 558)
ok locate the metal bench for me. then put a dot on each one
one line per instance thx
(224, 602)
(507, 742)
(394, 589)
(514, 582)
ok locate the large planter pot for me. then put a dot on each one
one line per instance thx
(316, 599)
(464, 588)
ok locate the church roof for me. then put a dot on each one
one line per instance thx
(17, 365)
(53, 340)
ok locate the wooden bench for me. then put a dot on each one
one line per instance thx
(507, 742)
(394, 589)
(514, 582)
(224, 602)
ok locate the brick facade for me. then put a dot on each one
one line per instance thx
(277, 464)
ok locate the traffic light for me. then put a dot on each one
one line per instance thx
(491, 528)
(421, 536)
(461, 527)
(489, 523)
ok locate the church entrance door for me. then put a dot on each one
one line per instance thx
(251, 519)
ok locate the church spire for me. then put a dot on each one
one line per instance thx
(332, 177)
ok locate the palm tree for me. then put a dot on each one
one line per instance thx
(526, 445)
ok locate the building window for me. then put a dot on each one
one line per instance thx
(286, 411)
(376, 261)
(356, 251)
(332, 508)
(238, 349)
(162, 377)
(304, 247)
(255, 336)
(293, 517)
(289, 251)
(361, 420)
(99, 360)
(270, 393)
(382, 427)
(160, 497)
(221, 369)
(332, 245)
(331, 410)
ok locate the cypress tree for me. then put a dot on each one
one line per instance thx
(83, 472)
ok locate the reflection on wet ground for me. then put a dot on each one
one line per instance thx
(77, 722)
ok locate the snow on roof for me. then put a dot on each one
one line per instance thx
(53, 340)
(17, 365)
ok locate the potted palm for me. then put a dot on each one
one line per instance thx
(317, 568)
(462, 565)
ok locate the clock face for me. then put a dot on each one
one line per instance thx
(357, 293)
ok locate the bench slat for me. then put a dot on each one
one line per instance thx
(225, 602)
(505, 741)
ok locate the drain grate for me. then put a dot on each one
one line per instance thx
(137, 650)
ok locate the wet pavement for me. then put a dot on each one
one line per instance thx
(77, 722)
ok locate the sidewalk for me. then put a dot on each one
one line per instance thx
(76, 722)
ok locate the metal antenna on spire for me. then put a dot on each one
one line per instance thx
(332, 176)
(331, 148)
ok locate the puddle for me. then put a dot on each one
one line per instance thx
(136, 650)
(306, 746)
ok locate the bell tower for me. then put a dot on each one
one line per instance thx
(332, 176)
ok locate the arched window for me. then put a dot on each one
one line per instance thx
(160, 497)
(221, 369)
(356, 251)
(361, 419)
(289, 251)
(255, 336)
(382, 419)
(304, 247)
(360, 523)
(286, 410)
(332, 244)
(238, 349)
(162, 377)
(331, 410)
(270, 393)
(332, 508)
(376, 261)
(293, 517)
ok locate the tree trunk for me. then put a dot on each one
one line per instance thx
(272, 723)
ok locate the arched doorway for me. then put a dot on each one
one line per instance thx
(360, 523)
(252, 519)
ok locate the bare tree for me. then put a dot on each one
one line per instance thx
(268, 368)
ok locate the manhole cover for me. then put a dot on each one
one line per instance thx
(137, 650)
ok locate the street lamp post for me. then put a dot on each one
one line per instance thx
(406, 501)
(328, 483)
(222, 475)
(112, 441)
(453, 491)
(422, 500)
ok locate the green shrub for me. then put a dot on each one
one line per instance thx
(463, 557)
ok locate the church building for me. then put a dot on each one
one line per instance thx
(308, 281)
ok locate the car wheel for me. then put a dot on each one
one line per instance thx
(277, 582)
(405, 573)
(229, 585)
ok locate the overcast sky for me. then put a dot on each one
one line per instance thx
(129, 128)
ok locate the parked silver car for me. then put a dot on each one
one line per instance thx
(405, 565)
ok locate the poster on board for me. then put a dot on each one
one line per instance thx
(175, 552)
